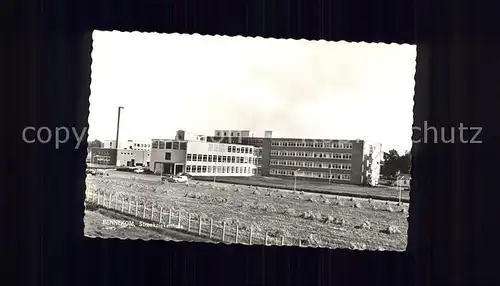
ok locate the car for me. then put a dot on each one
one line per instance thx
(175, 179)
(139, 170)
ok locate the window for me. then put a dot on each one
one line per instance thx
(188, 157)
(225, 133)
(188, 168)
(219, 158)
(209, 158)
(200, 157)
(245, 170)
(168, 156)
(217, 133)
(204, 169)
(205, 158)
(193, 169)
(168, 145)
(237, 150)
(209, 169)
(224, 159)
(183, 146)
(194, 157)
(229, 149)
(227, 169)
(233, 149)
(161, 145)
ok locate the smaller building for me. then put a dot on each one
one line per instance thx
(133, 158)
(128, 144)
(403, 180)
(103, 156)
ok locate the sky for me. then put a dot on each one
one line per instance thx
(296, 88)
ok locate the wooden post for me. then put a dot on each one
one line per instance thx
(170, 216)
(199, 225)
(179, 221)
(136, 208)
(211, 227)
(98, 198)
(236, 235)
(123, 203)
(282, 240)
(300, 242)
(152, 211)
(251, 234)
(223, 231)
(143, 210)
(267, 238)
(161, 215)
(189, 222)
(129, 205)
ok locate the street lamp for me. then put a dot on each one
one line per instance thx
(398, 185)
(295, 179)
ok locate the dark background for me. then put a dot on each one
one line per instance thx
(46, 62)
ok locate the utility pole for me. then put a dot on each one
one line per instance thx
(295, 180)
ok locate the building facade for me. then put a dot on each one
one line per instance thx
(133, 158)
(202, 157)
(103, 156)
(347, 161)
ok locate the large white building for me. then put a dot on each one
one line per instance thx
(133, 158)
(201, 158)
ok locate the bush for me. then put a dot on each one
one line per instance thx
(290, 212)
(91, 206)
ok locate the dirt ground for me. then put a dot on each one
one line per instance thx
(329, 221)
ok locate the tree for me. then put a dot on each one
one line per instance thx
(394, 163)
(95, 144)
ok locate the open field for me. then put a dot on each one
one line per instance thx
(382, 192)
(321, 220)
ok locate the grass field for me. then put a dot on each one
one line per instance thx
(329, 221)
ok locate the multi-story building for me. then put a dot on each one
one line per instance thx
(200, 157)
(352, 161)
(234, 133)
(102, 156)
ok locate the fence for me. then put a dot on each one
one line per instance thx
(191, 223)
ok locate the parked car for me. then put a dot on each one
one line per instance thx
(175, 179)
(139, 170)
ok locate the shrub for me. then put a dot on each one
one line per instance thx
(290, 212)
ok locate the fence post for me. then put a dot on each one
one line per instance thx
(129, 205)
(179, 221)
(161, 215)
(123, 203)
(251, 234)
(223, 231)
(170, 216)
(136, 208)
(199, 225)
(267, 238)
(189, 222)
(144, 210)
(300, 242)
(236, 235)
(282, 240)
(152, 211)
(211, 227)
(98, 198)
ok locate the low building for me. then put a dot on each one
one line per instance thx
(133, 158)
(130, 144)
(103, 156)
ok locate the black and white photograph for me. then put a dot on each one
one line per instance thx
(251, 141)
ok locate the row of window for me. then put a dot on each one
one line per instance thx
(319, 175)
(312, 144)
(309, 164)
(169, 145)
(140, 145)
(220, 159)
(129, 153)
(340, 156)
(219, 169)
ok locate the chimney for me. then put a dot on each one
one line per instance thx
(180, 135)
(268, 134)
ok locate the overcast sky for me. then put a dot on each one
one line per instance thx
(296, 88)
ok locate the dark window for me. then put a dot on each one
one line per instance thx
(204, 169)
(229, 149)
(168, 156)
(219, 159)
(169, 145)
(205, 158)
(198, 169)
(209, 158)
(161, 145)
(175, 145)
(188, 157)
(188, 169)
(237, 150)
(183, 145)
(224, 158)
(194, 157)
(200, 157)
(233, 159)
